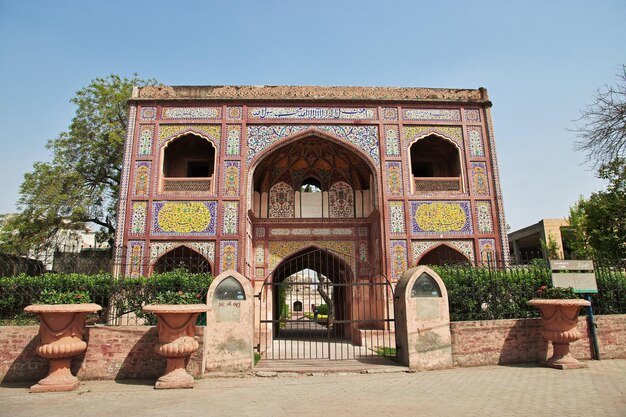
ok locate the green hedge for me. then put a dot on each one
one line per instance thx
(475, 293)
(124, 295)
(483, 293)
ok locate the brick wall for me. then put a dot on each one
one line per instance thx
(113, 352)
(126, 352)
(477, 343)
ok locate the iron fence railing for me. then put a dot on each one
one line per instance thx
(490, 289)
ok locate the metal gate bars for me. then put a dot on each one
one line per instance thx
(320, 304)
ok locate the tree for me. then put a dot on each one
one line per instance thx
(81, 183)
(599, 222)
(603, 130)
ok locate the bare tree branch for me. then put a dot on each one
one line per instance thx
(602, 128)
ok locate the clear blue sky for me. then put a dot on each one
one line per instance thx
(540, 61)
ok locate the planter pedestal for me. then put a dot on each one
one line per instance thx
(61, 330)
(559, 319)
(176, 327)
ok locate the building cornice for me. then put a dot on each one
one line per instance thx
(311, 93)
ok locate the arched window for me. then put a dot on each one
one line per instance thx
(435, 165)
(188, 165)
(311, 199)
(311, 185)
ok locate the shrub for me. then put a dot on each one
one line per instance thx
(322, 309)
(122, 296)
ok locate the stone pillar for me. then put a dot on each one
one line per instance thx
(423, 320)
(229, 333)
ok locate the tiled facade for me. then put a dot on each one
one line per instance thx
(246, 125)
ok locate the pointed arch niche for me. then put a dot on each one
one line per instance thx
(443, 255)
(436, 165)
(182, 257)
(313, 177)
(188, 165)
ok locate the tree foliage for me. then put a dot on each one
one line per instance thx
(602, 131)
(81, 183)
(599, 222)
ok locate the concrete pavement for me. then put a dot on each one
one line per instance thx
(524, 390)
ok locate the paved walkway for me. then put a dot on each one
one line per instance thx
(527, 390)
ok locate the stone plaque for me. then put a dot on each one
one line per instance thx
(427, 308)
(227, 301)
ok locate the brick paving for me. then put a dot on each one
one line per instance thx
(523, 390)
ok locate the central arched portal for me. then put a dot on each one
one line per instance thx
(315, 231)
(321, 304)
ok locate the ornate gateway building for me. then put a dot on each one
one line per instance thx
(245, 177)
(321, 197)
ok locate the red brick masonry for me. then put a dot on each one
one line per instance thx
(477, 343)
(126, 352)
(113, 352)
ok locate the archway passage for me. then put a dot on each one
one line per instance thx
(314, 306)
(184, 258)
(443, 255)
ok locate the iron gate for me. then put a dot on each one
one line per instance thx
(320, 304)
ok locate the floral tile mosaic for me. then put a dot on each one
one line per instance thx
(440, 217)
(184, 218)
(363, 137)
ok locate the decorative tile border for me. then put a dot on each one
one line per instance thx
(440, 217)
(139, 212)
(134, 258)
(483, 217)
(148, 113)
(125, 177)
(487, 248)
(472, 115)
(392, 141)
(232, 172)
(475, 139)
(390, 114)
(312, 113)
(234, 113)
(158, 248)
(233, 140)
(184, 218)
(279, 250)
(363, 137)
(420, 247)
(146, 140)
(395, 179)
(398, 254)
(230, 222)
(480, 180)
(177, 113)
(305, 231)
(259, 255)
(396, 217)
(211, 132)
(413, 133)
(448, 115)
(229, 255)
(141, 184)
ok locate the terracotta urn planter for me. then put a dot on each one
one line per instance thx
(61, 330)
(176, 327)
(559, 319)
